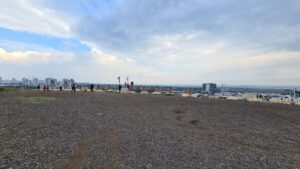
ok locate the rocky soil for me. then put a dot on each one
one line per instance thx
(64, 130)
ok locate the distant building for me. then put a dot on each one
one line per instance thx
(67, 83)
(41, 82)
(209, 88)
(26, 82)
(13, 80)
(297, 93)
(35, 82)
(51, 82)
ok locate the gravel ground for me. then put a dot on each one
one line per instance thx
(63, 130)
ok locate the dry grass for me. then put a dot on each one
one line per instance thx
(36, 100)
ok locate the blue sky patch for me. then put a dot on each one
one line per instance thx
(42, 41)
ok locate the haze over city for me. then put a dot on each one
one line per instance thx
(153, 42)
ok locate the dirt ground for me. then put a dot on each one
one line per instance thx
(64, 130)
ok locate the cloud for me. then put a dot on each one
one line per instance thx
(32, 57)
(33, 17)
(251, 23)
(206, 40)
(112, 65)
(169, 41)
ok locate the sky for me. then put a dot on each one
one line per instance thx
(250, 42)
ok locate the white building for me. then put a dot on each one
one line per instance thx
(251, 97)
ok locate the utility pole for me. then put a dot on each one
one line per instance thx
(222, 90)
(119, 78)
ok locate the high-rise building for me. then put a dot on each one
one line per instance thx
(67, 83)
(51, 82)
(209, 88)
(297, 93)
(35, 82)
(26, 82)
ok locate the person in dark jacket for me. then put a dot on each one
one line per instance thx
(92, 87)
(73, 87)
(120, 87)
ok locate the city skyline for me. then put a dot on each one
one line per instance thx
(60, 82)
(153, 42)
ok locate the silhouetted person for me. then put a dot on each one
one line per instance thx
(38, 87)
(92, 88)
(60, 88)
(73, 87)
(120, 87)
(44, 87)
(47, 88)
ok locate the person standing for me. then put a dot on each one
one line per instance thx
(74, 87)
(92, 88)
(120, 87)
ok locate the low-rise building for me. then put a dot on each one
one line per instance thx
(252, 97)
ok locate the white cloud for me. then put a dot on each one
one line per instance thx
(32, 57)
(29, 15)
(198, 61)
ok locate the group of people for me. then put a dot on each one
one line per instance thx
(73, 87)
(45, 88)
